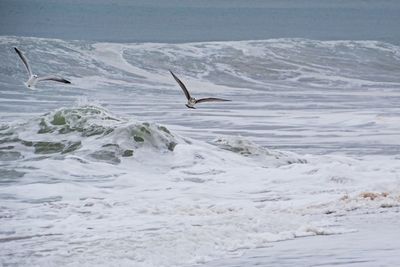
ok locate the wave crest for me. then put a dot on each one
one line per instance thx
(270, 158)
(89, 131)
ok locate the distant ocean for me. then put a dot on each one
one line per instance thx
(193, 21)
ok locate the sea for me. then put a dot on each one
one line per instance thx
(300, 168)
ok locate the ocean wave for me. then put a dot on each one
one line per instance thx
(94, 132)
(249, 64)
(87, 130)
(137, 170)
(266, 156)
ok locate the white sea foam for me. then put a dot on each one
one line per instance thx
(134, 185)
(116, 171)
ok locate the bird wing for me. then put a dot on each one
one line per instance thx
(181, 85)
(211, 99)
(53, 78)
(24, 60)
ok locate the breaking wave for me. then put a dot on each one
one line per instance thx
(272, 158)
(87, 130)
(96, 134)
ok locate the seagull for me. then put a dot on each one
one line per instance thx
(191, 100)
(33, 78)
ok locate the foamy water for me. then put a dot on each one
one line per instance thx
(115, 170)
